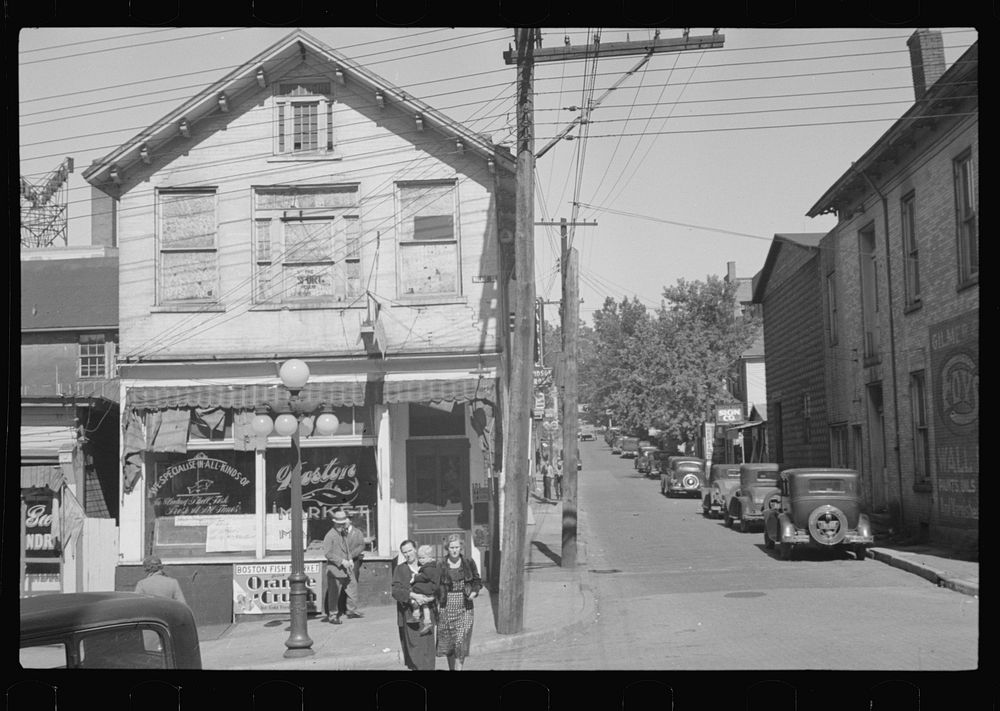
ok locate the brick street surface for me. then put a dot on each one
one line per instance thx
(557, 603)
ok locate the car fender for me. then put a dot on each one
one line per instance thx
(786, 527)
(864, 526)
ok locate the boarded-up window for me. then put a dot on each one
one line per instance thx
(428, 239)
(188, 264)
(307, 244)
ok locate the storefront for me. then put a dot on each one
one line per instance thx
(211, 498)
(51, 515)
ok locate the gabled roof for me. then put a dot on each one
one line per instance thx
(804, 240)
(952, 90)
(275, 61)
(65, 294)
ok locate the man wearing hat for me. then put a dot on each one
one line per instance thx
(344, 547)
(157, 582)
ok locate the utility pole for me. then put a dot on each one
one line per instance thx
(570, 312)
(510, 613)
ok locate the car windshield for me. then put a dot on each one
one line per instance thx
(767, 475)
(732, 473)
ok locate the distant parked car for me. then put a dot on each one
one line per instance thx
(644, 461)
(758, 491)
(107, 630)
(587, 437)
(723, 480)
(616, 445)
(684, 476)
(630, 447)
(819, 508)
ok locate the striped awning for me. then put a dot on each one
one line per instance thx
(247, 397)
(452, 390)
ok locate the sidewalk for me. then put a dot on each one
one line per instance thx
(554, 602)
(939, 564)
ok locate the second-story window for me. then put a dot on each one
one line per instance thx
(428, 239)
(307, 245)
(93, 356)
(911, 264)
(188, 269)
(304, 118)
(869, 293)
(967, 223)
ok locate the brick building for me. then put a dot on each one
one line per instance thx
(303, 207)
(788, 289)
(900, 299)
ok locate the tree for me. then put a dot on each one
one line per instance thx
(666, 370)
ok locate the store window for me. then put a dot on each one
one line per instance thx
(188, 270)
(428, 239)
(202, 502)
(921, 435)
(307, 245)
(332, 478)
(838, 446)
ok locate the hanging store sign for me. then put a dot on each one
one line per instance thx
(729, 414)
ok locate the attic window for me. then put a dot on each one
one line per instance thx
(304, 118)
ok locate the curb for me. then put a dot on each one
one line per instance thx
(937, 577)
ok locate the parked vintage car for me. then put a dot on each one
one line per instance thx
(723, 480)
(644, 461)
(819, 508)
(630, 447)
(683, 476)
(107, 630)
(757, 492)
(616, 445)
(586, 436)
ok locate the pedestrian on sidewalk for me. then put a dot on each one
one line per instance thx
(546, 478)
(418, 649)
(157, 582)
(557, 478)
(461, 584)
(344, 548)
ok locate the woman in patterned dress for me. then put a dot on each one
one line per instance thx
(460, 584)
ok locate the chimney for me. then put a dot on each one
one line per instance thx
(926, 59)
(730, 271)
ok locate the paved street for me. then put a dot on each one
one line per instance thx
(677, 591)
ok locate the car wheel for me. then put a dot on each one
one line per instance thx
(744, 525)
(768, 543)
(860, 551)
(785, 551)
(727, 520)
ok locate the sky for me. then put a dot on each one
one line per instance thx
(692, 161)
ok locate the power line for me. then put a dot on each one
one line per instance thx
(132, 46)
(101, 39)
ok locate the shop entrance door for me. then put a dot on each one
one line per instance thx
(437, 485)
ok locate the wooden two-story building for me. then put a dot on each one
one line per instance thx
(302, 207)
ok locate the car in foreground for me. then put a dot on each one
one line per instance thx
(757, 492)
(107, 630)
(644, 460)
(818, 508)
(684, 476)
(723, 480)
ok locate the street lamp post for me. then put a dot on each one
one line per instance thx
(294, 375)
